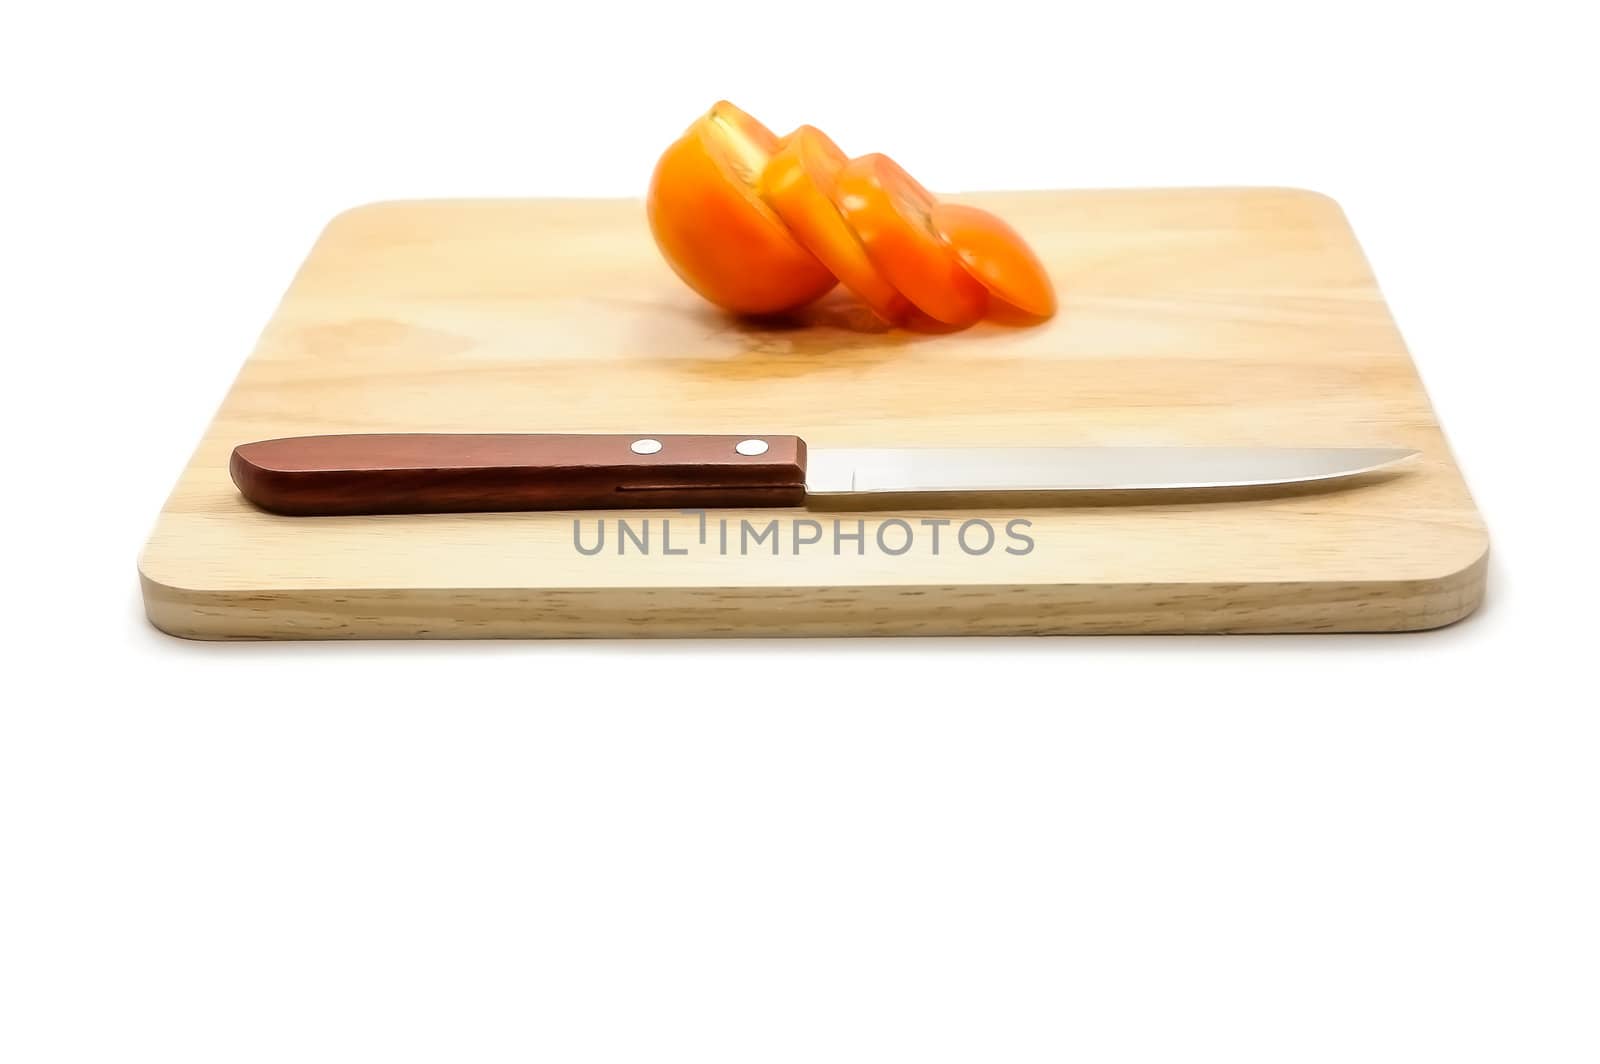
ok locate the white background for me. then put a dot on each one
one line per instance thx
(1222, 849)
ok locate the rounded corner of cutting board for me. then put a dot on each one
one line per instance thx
(1456, 591)
(1314, 197)
(178, 604)
(170, 607)
(360, 215)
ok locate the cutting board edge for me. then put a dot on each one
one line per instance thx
(878, 610)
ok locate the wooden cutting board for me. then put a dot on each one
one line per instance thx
(1192, 316)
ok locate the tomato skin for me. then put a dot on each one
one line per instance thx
(997, 256)
(713, 228)
(890, 214)
(797, 184)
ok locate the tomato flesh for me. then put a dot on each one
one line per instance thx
(890, 214)
(713, 228)
(997, 256)
(797, 184)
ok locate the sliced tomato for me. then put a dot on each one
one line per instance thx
(798, 184)
(890, 213)
(714, 229)
(997, 256)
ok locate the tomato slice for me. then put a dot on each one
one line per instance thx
(713, 228)
(997, 256)
(891, 215)
(797, 184)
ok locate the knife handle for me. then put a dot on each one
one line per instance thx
(404, 473)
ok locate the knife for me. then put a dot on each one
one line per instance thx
(451, 473)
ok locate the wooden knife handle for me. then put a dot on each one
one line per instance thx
(407, 473)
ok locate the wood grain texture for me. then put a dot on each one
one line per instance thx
(1189, 317)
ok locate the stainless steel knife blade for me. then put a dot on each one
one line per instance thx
(991, 470)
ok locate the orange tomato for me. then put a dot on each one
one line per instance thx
(714, 229)
(798, 184)
(891, 215)
(997, 256)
